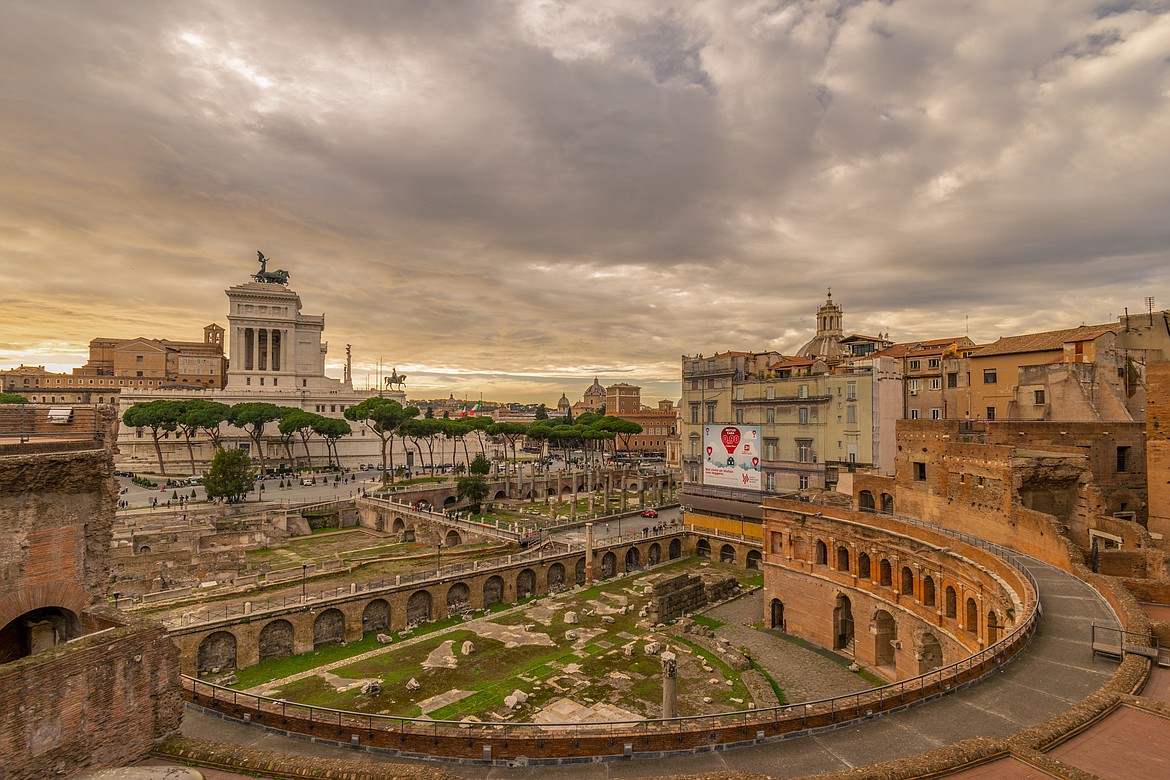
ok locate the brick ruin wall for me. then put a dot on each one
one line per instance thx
(684, 594)
(1158, 448)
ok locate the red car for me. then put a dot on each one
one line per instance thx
(649, 513)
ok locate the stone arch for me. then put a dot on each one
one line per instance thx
(450, 501)
(556, 576)
(579, 571)
(608, 565)
(398, 526)
(727, 554)
(674, 550)
(633, 559)
(493, 590)
(376, 616)
(928, 597)
(885, 573)
(525, 584)
(755, 560)
(654, 554)
(993, 627)
(329, 627)
(951, 606)
(821, 553)
(971, 619)
(929, 653)
(842, 558)
(36, 630)
(865, 501)
(843, 623)
(499, 495)
(458, 598)
(217, 653)
(144, 549)
(452, 538)
(907, 583)
(552, 491)
(276, 640)
(419, 607)
(863, 566)
(566, 489)
(703, 548)
(777, 614)
(887, 504)
(885, 633)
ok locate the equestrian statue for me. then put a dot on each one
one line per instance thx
(395, 379)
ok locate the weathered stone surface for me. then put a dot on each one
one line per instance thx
(385, 639)
(652, 648)
(372, 688)
(467, 648)
(571, 618)
(608, 619)
(412, 684)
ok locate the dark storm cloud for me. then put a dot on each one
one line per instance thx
(523, 194)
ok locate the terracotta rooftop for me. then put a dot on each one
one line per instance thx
(920, 347)
(1048, 341)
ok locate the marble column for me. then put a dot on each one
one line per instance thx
(669, 684)
(588, 554)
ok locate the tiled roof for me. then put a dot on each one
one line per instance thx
(1048, 341)
(919, 347)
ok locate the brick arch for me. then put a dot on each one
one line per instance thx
(376, 616)
(64, 595)
(328, 627)
(525, 584)
(556, 576)
(217, 652)
(420, 607)
(458, 598)
(654, 554)
(276, 639)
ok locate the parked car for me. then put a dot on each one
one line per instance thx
(649, 513)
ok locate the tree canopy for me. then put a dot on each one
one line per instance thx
(12, 398)
(161, 416)
(474, 490)
(252, 416)
(230, 477)
(382, 416)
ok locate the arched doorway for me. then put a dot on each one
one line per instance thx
(971, 619)
(37, 630)
(579, 572)
(863, 566)
(675, 549)
(930, 654)
(843, 559)
(329, 627)
(865, 501)
(633, 559)
(452, 538)
(755, 560)
(885, 573)
(885, 632)
(992, 628)
(608, 565)
(654, 554)
(556, 576)
(907, 585)
(525, 584)
(376, 616)
(777, 609)
(887, 504)
(493, 590)
(418, 607)
(843, 624)
(217, 653)
(398, 526)
(727, 554)
(703, 548)
(276, 640)
(458, 599)
(821, 553)
(928, 597)
(952, 602)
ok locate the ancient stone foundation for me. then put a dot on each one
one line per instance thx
(687, 593)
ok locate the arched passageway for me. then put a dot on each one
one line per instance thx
(727, 554)
(452, 538)
(887, 504)
(328, 628)
(418, 607)
(993, 628)
(37, 630)
(842, 558)
(398, 526)
(458, 599)
(865, 501)
(885, 633)
(777, 610)
(654, 554)
(579, 572)
(556, 576)
(675, 549)
(755, 560)
(608, 565)
(276, 640)
(217, 653)
(376, 616)
(843, 624)
(633, 559)
(703, 548)
(525, 584)
(929, 653)
(493, 590)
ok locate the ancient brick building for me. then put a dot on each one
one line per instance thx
(81, 686)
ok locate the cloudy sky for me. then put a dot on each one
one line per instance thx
(508, 199)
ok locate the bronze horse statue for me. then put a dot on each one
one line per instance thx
(279, 276)
(396, 379)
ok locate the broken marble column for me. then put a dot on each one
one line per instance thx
(588, 554)
(669, 685)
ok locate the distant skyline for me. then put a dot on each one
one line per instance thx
(508, 199)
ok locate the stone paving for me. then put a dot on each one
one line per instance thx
(1110, 749)
(1056, 671)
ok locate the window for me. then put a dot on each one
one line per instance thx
(694, 384)
(1122, 459)
(804, 450)
(913, 414)
(803, 481)
(802, 415)
(802, 391)
(739, 416)
(919, 471)
(914, 385)
(1038, 397)
(952, 380)
(739, 393)
(770, 449)
(991, 413)
(932, 363)
(769, 392)
(989, 376)
(710, 384)
(138, 358)
(770, 415)
(711, 412)
(137, 373)
(915, 365)
(694, 414)
(850, 391)
(935, 383)
(936, 414)
(851, 415)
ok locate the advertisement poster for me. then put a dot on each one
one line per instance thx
(732, 456)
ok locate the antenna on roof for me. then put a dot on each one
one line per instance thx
(966, 326)
(1150, 308)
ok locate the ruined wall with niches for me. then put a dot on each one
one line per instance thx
(101, 701)
(56, 513)
(1158, 448)
(915, 599)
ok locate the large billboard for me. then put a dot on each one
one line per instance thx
(732, 456)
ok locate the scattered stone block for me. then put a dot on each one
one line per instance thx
(571, 636)
(571, 618)
(854, 667)
(385, 639)
(510, 702)
(468, 648)
(707, 700)
(728, 683)
(652, 648)
(372, 688)
(608, 619)
(713, 681)
(628, 650)
(521, 696)
(412, 684)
